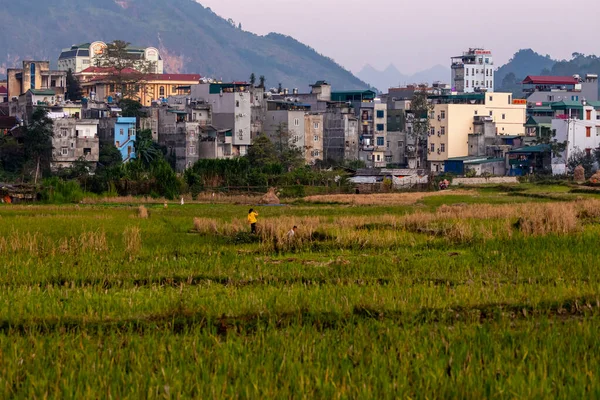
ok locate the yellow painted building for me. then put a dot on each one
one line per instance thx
(452, 122)
(153, 87)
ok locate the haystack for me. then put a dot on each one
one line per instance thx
(595, 179)
(270, 198)
(579, 175)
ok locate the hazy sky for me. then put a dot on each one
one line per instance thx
(418, 34)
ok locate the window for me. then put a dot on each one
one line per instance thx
(443, 130)
(473, 71)
(72, 144)
(388, 144)
(111, 88)
(574, 98)
(192, 150)
(121, 131)
(87, 151)
(473, 83)
(432, 115)
(296, 122)
(174, 89)
(378, 157)
(129, 150)
(400, 144)
(491, 98)
(380, 114)
(237, 103)
(443, 147)
(467, 81)
(550, 98)
(118, 144)
(64, 151)
(380, 127)
(503, 116)
(380, 140)
(131, 132)
(475, 112)
(588, 114)
(443, 114)
(296, 139)
(432, 131)
(432, 147)
(316, 153)
(467, 72)
(317, 125)
(588, 131)
(316, 138)
(588, 152)
(161, 91)
(598, 131)
(64, 132)
(491, 113)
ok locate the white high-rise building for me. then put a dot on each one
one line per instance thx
(473, 72)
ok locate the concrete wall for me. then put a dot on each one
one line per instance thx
(483, 181)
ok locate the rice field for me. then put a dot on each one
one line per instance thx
(485, 293)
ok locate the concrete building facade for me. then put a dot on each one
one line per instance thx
(473, 71)
(35, 75)
(74, 140)
(231, 110)
(453, 117)
(313, 137)
(79, 57)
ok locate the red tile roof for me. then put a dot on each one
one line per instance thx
(3, 90)
(550, 80)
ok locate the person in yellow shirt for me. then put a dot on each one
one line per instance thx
(252, 220)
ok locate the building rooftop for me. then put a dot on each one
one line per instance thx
(561, 105)
(550, 80)
(540, 148)
(42, 92)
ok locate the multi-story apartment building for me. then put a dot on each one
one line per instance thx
(35, 75)
(74, 140)
(341, 140)
(473, 71)
(372, 116)
(231, 110)
(453, 117)
(79, 57)
(313, 137)
(286, 121)
(577, 124)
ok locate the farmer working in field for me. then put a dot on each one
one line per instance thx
(252, 220)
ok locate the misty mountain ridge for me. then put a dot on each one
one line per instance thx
(190, 38)
(392, 77)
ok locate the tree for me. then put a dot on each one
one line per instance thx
(252, 79)
(125, 71)
(262, 81)
(131, 108)
(421, 111)
(74, 92)
(146, 149)
(262, 152)
(109, 156)
(578, 158)
(547, 136)
(38, 141)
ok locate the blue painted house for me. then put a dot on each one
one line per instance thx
(125, 137)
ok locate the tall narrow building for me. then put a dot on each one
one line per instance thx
(473, 71)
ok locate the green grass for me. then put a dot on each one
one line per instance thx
(194, 316)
